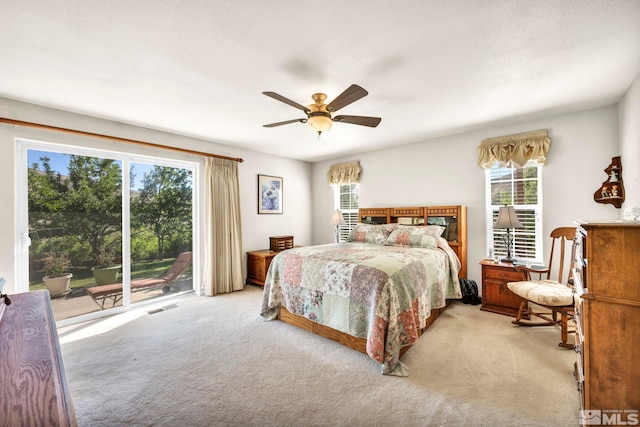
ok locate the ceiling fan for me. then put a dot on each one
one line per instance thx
(319, 115)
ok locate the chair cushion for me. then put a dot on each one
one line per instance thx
(544, 292)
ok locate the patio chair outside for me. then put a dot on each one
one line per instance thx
(113, 292)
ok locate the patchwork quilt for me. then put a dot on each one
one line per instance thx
(381, 293)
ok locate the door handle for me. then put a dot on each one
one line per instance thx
(26, 241)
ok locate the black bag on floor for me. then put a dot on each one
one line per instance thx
(469, 290)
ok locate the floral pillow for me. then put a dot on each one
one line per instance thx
(370, 233)
(421, 237)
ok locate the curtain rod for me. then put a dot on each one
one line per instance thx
(113, 138)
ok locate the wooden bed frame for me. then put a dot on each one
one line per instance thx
(359, 344)
(388, 216)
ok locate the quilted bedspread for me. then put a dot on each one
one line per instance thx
(381, 293)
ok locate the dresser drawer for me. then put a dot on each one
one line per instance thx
(506, 275)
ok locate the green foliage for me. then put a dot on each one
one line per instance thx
(144, 245)
(164, 205)
(86, 204)
(81, 214)
(55, 264)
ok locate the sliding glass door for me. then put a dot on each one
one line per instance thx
(106, 230)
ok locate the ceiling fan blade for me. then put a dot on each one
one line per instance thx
(272, 125)
(287, 101)
(358, 120)
(351, 94)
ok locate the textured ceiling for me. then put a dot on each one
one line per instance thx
(432, 68)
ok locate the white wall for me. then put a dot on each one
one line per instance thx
(444, 171)
(256, 229)
(630, 145)
(441, 171)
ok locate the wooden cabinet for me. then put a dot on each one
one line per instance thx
(607, 280)
(496, 297)
(33, 386)
(257, 265)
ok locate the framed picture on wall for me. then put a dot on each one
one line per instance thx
(269, 194)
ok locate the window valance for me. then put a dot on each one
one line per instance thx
(515, 150)
(344, 173)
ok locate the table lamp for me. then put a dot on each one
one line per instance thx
(337, 220)
(508, 219)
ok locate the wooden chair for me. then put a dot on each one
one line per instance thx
(554, 295)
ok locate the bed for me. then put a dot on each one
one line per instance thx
(375, 293)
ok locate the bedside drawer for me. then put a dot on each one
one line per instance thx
(506, 275)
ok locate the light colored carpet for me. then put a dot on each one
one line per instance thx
(214, 362)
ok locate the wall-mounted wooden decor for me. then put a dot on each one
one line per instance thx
(612, 190)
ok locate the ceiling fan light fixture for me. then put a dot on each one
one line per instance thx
(319, 113)
(319, 121)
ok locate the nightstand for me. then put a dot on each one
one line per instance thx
(496, 297)
(257, 265)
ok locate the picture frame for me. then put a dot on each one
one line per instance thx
(269, 194)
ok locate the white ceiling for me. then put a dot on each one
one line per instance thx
(432, 67)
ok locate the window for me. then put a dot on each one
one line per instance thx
(522, 188)
(346, 199)
(115, 216)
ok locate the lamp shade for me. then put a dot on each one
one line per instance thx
(337, 218)
(507, 218)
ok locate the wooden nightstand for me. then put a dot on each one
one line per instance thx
(496, 297)
(258, 264)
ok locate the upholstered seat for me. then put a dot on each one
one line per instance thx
(543, 292)
(554, 295)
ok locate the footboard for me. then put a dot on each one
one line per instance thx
(359, 344)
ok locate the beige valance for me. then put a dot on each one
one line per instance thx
(344, 173)
(515, 150)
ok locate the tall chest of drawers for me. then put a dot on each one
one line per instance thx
(607, 299)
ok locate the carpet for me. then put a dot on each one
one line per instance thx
(213, 361)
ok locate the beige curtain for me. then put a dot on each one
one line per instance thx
(223, 236)
(344, 173)
(515, 150)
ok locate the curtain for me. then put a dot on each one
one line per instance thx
(223, 236)
(514, 150)
(344, 173)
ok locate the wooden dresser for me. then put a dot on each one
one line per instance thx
(607, 278)
(33, 386)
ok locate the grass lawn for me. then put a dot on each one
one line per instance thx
(83, 277)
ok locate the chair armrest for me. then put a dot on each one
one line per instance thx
(529, 270)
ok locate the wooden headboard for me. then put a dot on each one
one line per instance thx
(453, 218)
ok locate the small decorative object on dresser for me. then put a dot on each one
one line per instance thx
(612, 190)
(280, 243)
(607, 318)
